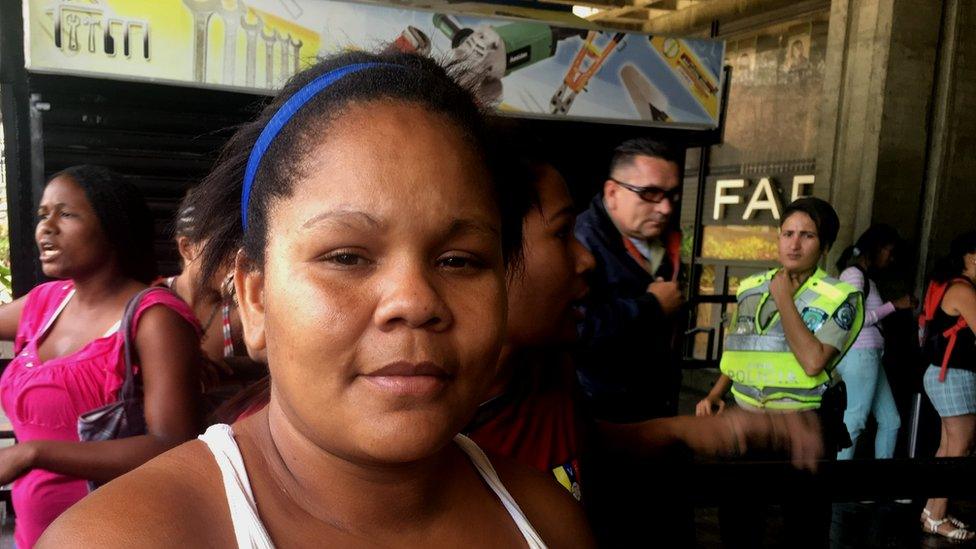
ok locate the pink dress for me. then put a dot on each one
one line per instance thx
(44, 399)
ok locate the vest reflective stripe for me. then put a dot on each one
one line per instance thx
(764, 371)
(774, 343)
(779, 404)
(773, 397)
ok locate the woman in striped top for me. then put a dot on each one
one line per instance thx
(868, 391)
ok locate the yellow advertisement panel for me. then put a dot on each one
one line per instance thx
(702, 83)
(219, 42)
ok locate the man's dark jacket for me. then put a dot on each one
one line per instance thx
(626, 365)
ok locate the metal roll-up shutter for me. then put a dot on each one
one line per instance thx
(165, 138)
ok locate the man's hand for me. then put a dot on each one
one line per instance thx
(710, 406)
(668, 294)
(906, 301)
(737, 431)
(797, 434)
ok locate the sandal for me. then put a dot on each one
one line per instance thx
(933, 526)
(952, 520)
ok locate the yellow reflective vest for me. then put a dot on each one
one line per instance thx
(764, 371)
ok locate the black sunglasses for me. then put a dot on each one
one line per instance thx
(651, 194)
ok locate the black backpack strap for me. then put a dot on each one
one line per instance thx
(129, 386)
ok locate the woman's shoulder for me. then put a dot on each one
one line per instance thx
(754, 284)
(958, 290)
(168, 301)
(851, 275)
(49, 294)
(174, 500)
(37, 306)
(549, 507)
(53, 286)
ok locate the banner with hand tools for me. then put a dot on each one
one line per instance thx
(520, 66)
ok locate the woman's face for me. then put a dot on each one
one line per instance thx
(968, 263)
(799, 243)
(885, 257)
(192, 253)
(382, 303)
(69, 235)
(543, 299)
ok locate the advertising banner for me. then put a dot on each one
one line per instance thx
(521, 67)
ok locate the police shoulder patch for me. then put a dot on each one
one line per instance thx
(813, 318)
(844, 316)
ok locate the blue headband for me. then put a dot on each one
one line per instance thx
(283, 116)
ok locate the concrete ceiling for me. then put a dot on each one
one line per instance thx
(632, 14)
(675, 17)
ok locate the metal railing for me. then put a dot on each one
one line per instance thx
(722, 297)
(850, 480)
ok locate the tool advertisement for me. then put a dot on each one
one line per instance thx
(521, 67)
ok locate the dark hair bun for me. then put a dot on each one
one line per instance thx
(823, 215)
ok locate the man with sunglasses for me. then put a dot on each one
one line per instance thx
(626, 363)
(627, 367)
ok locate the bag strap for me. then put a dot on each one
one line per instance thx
(128, 390)
(933, 296)
(950, 336)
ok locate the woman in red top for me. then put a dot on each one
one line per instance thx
(94, 234)
(227, 367)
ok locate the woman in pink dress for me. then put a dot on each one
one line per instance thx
(94, 235)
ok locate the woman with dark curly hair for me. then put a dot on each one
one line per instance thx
(94, 235)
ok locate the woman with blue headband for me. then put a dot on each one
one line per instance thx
(373, 250)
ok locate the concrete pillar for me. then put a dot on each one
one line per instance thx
(949, 200)
(881, 58)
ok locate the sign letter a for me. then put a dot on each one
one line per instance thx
(763, 198)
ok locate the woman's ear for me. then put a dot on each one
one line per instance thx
(249, 284)
(186, 248)
(610, 194)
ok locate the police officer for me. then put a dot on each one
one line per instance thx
(792, 326)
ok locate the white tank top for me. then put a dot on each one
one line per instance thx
(249, 529)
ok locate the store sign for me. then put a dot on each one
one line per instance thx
(754, 201)
(526, 67)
